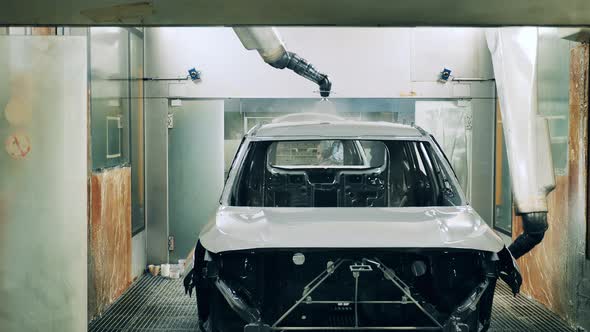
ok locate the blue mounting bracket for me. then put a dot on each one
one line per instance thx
(194, 74)
(445, 75)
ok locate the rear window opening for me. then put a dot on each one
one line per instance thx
(343, 173)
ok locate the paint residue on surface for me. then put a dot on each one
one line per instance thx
(109, 237)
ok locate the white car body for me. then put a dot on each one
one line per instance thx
(239, 228)
(329, 224)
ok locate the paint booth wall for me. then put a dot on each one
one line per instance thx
(117, 106)
(556, 272)
(117, 251)
(543, 268)
(109, 74)
(361, 62)
(579, 100)
(109, 240)
(43, 188)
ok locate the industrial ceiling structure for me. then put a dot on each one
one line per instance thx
(302, 12)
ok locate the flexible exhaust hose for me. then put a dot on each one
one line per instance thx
(300, 66)
(535, 225)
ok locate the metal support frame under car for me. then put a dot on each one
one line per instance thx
(356, 270)
(453, 323)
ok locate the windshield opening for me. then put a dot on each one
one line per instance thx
(343, 173)
(317, 154)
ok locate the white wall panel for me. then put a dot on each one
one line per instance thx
(361, 62)
(43, 184)
(463, 50)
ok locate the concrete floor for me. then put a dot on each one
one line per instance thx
(155, 304)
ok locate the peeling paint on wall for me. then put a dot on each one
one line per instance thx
(109, 237)
(578, 165)
(543, 269)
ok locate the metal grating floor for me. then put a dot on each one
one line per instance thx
(155, 304)
(151, 304)
(518, 314)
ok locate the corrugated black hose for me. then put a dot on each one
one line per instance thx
(535, 225)
(300, 66)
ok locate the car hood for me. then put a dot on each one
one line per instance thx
(241, 228)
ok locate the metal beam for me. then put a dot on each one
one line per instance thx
(303, 12)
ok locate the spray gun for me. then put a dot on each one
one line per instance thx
(271, 48)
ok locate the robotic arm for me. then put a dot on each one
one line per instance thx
(514, 56)
(269, 45)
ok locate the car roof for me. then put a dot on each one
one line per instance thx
(318, 125)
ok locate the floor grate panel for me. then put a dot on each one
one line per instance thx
(518, 314)
(155, 304)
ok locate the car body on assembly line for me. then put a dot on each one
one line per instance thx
(333, 224)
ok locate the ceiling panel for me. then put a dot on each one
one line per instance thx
(301, 12)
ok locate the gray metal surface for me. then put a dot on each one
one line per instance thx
(518, 314)
(329, 12)
(156, 180)
(150, 304)
(195, 171)
(155, 304)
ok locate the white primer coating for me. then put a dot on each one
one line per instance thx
(242, 228)
(338, 128)
(245, 228)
